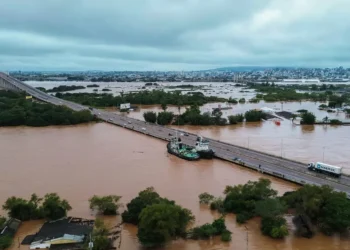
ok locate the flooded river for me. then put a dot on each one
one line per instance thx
(324, 143)
(80, 161)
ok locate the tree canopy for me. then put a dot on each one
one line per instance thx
(107, 205)
(51, 207)
(141, 97)
(15, 110)
(326, 208)
(162, 222)
(54, 207)
(308, 118)
(145, 198)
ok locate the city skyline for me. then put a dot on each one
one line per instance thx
(165, 35)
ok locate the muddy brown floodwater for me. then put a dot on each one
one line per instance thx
(80, 161)
(324, 143)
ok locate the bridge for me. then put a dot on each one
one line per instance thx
(269, 164)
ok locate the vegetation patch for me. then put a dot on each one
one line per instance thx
(63, 88)
(107, 205)
(15, 110)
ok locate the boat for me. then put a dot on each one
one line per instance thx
(202, 148)
(177, 148)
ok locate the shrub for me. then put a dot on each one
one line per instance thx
(243, 217)
(275, 227)
(165, 118)
(226, 236)
(150, 116)
(207, 230)
(205, 198)
(107, 205)
(5, 241)
(308, 118)
(242, 100)
(159, 223)
(254, 116)
(335, 122)
(233, 101)
(234, 119)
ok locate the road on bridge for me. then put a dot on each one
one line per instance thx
(284, 168)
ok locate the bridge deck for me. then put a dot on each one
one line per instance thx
(280, 167)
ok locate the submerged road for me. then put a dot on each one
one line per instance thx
(273, 165)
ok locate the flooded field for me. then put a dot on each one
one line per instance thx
(80, 161)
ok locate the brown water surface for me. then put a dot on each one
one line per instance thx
(324, 143)
(80, 161)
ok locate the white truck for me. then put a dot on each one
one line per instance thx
(325, 168)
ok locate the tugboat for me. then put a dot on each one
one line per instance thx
(202, 148)
(175, 147)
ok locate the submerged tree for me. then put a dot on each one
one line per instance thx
(159, 223)
(107, 205)
(54, 207)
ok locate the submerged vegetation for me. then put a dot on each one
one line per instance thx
(322, 206)
(107, 205)
(160, 220)
(275, 93)
(51, 207)
(15, 110)
(142, 97)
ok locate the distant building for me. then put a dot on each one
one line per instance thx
(66, 233)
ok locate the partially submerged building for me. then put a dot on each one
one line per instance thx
(66, 233)
(10, 227)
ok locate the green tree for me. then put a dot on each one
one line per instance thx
(100, 236)
(234, 119)
(150, 116)
(165, 118)
(164, 106)
(335, 215)
(242, 199)
(22, 209)
(145, 198)
(107, 205)
(5, 242)
(254, 116)
(207, 230)
(270, 208)
(242, 100)
(54, 207)
(205, 198)
(335, 122)
(308, 118)
(326, 208)
(275, 227)
(159, 223)
(2, 221)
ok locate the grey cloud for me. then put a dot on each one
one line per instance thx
(171, 34)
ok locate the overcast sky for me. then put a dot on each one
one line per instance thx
(172, 34)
